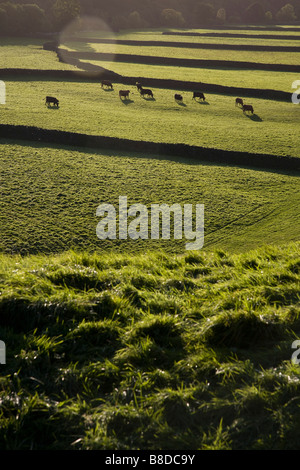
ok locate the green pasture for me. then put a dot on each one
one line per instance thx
(157, 35)
(87, 108)
(141, 344)
(263, 57)
(251, 33)
(155, 352)
(251, 40)
(28, 53)
(243, 78)
(50, 196)
(154, 34)
(223, 76)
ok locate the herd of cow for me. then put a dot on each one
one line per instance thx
(124, 94)
(149, 93)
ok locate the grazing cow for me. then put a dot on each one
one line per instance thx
(248, 108)
(106, 83)
(239, 102)
(124, 94)
(178, 97)
(51, 99)
(146, 91)
(198, 94)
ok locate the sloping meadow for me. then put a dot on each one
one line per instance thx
(150, 352)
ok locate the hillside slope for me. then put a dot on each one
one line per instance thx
(150, 352)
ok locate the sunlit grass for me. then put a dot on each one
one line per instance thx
(218, 123)
(28, 53)
(50, 197)
(82, 373)
(263, 57)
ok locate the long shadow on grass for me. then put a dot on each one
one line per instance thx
(254, 117)
(151, 98)
(202, 102)
(187, 160)
(180, 103)
(127, 101)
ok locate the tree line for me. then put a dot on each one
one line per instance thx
(20, 17)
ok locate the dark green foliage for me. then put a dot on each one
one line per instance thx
(19, 19)
(16, 19)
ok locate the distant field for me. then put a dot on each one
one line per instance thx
(291, 58)
(192, 33)
(224, 76)
(86, 108)
(242, 32)
(50, 196)
(28, 53)
(250, 39)
(269, 214)
(259, 79)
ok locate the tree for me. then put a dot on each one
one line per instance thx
(172, 18)
(65, 11)
(255, 13)
(221, 16)
(3, 20)
(286, 14)
(33, 18)
(204, 13)
(135, 21)
(269, 16)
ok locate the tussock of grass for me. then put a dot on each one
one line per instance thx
(150, 352)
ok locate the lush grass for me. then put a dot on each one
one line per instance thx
(141, 344)
(50, 196)
(86, 108)
(156, 35)
(28, 53)
(150, 352)
(222, 76)
(261, 57)
(258, 79)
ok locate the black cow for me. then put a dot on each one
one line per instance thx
(139, 86)
(51, 99)
(239, 101)
(106, 83)
(198, 94)
(248, 108)
(178, 97)
(124, 94)
(146, 91)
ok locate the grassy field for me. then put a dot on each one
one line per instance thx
(151, 352)
(291, 58)
(140, 344)
(61, 189)
(223, 76)
(86, 108)
(259, 79)
(28, 53)
(197, 35)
